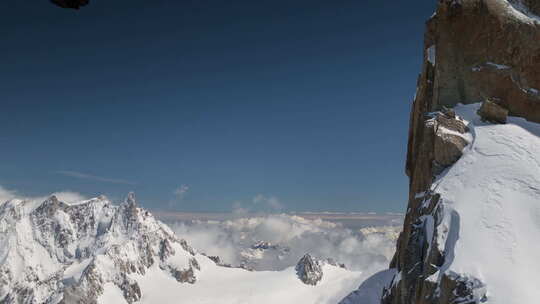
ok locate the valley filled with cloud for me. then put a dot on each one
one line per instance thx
(278, 241)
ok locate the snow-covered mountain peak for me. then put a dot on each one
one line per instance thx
(55, 250)
(94, 251)
(130, 201)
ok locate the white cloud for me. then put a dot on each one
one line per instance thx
(181, 192)
(6, 195)
(69, 196)
(259, 203)
(238, 209)
(368, 251)
(268, 202)
(179, 195)
(64, 196)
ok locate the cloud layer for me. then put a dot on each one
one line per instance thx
(64, 196)
(290, 237)
(259, 203)
(181, 192)
(6, 195)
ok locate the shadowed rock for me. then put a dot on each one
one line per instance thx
(74, 4)
(308, 270)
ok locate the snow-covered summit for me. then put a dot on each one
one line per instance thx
(93, 251)
(57, 251)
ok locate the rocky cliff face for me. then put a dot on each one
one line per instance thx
(475, 50)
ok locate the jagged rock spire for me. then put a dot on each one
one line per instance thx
(50, 206)
(130, 199)
(309, 270)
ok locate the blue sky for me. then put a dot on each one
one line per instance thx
(212, 105)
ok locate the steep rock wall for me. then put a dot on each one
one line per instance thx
(474, 50)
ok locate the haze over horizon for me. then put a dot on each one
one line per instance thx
(212, 106)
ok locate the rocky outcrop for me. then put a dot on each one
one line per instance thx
(263, 245)
(479, 49)
(492, 112)
(421, 264)
(309, 270)
(448, 140)
(474, 50)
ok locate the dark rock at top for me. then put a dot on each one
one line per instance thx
(263, 245)
(216, 259)
(74, 4)
(50, 206)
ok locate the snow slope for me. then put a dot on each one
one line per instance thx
(370, 291)
(217, 284)
(491, 202)
(487, 221)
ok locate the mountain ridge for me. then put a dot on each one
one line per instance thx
(93, 251)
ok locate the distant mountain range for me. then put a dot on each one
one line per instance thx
(93, 251)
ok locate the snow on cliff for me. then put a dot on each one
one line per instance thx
(486, 224)
(491, 200)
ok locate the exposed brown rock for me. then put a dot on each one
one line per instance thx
(484, 51)
(448, 148)
(492, 112)
(449, 121)
(447, 143)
